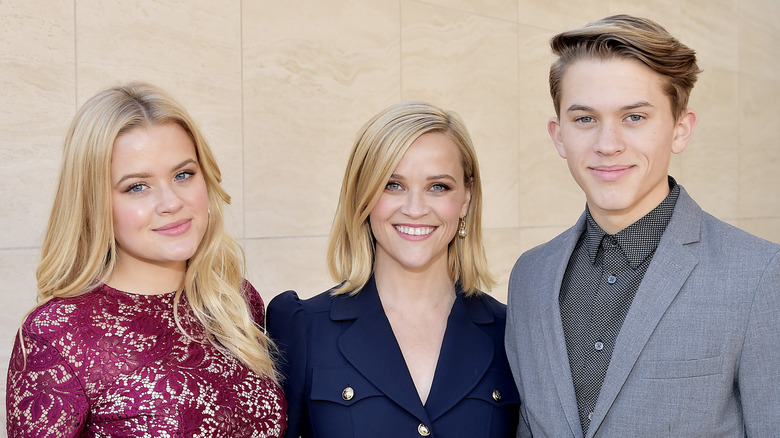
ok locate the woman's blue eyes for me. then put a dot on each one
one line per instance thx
(136, 188)
(183, 175)
(437, 187)
(141, 187)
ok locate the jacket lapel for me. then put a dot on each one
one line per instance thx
(465, 356)
(370, 346)
(665, 277)
(552, 328)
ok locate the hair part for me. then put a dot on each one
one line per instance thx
(79, 248)
(379, 147)
(632, 38)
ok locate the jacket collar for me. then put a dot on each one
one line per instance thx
(371, 347)
(366, 301)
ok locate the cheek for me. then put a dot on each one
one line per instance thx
(201, 201)
(197, 198)
(451, 210)
(128, 218)
(381, 211)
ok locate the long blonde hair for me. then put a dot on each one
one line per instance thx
(79, 248)
(379, 147)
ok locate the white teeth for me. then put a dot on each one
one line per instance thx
(415, 231)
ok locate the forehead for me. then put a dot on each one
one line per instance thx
(151, 147)
(432, 149)
(168, 137)
(602, 83)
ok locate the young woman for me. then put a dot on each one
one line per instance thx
(144, 325)
(406, 345)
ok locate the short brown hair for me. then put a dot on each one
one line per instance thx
(627, 37)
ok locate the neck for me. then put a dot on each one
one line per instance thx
(147, 279)
(614, 221)
(425, 289)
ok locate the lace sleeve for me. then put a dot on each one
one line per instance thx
(255, 302)
(44, 397)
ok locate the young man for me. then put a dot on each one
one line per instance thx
(649, 317)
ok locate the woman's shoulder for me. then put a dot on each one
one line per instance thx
(59, 315)
(489, 303)
(290, 302)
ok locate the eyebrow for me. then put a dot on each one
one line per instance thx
(635, 105)
(430, 178)
(147, 174)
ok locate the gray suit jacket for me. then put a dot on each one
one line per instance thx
(698, 354)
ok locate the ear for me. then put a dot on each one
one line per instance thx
(554, 129)
(464, 209)
(683, 131)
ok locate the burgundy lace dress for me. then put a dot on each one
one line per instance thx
(110, 363)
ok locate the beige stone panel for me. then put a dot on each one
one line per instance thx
(502, 247)
(759, 153)
(768, 228)
(501, 9)
(560, 15)
(548, 193)
(709, 163)
(468, 64)
(708, 28)
(290, 263)
(664, 12)
(759, 38)
(535, 236)
(37, 93)
(17, 296)
(191, 49)
(311, 80)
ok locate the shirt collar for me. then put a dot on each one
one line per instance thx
(640, 239)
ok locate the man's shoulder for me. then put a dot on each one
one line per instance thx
(560, 245)
(716, 232)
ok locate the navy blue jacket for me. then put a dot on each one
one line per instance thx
(345, 376)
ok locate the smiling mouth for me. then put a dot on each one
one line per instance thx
(414, 231)
(175, 228)
(610, 173)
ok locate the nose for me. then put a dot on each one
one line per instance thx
(610, 140)
(168, 200)
(415, 205)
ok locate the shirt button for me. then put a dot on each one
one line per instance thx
(423, 430)
(590, 414)
(611, 279)
(614, 241)
(348, 393)
(496, 395)
(598, 346)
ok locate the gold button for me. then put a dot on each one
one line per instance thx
(496, 395)
(423, 430)
(348, 393)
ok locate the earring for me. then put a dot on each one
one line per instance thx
(462, 228)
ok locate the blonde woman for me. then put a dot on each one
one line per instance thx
(144, 325)
(406, 345)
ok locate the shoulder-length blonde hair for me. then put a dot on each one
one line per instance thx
(79, 248)
(380, 145)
